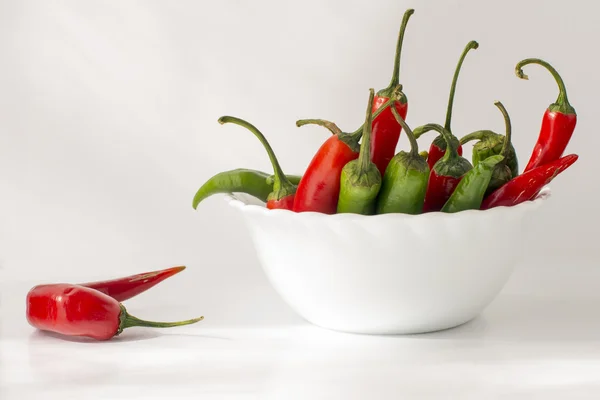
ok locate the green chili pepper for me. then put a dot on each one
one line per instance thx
(405, 179)
(361, 179)
(469, 193)
(255, 183)
(490, 144)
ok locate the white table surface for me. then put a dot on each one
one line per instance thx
(540, 339)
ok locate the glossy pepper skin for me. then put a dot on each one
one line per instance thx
(469, 193)
(446, 173)
(319, 188)
(360, 179)
(386, 130)
(75, 310)
(255, 183)
(558, 123)
(527, 185)
(491, 144)
(405, 180)
(122, 289)
(438, 146)
(282, 196)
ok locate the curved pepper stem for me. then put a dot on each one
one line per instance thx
(472, 45)
(478, 135)
(507, 138)
(331, 126)
(414, 146)
(335, 130)
(281, 185)
(562, 102)
(364, 158)
(395, 81)
(127, 321)
(451, 142)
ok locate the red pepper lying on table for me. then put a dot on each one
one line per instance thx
(80, 311)
(558, 123)
(122, 289)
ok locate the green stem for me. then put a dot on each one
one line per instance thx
(562, 102)
(472, 45)
(334, 129)
(364, 158)
(477, 135)
(451, 145)
(396, 73)
(507, 138)
(127, 321)
(281, 181)
(414, 146)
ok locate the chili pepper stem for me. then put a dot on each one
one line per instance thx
(414, 145)
(451, 142)
(281, 185)
(127, 321)
(472, 45)
(331, 126)
(508, 136)
(477, 135)
(395, 81)
(562, 102)
(364, 158)
(335, 130)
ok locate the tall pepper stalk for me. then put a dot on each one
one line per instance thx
(282, 195)
(360, 179)
(386, 130)
(438, 146)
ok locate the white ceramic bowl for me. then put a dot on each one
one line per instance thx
(387, 274)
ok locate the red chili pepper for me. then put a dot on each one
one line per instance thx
(319, 187)
(122, 289)
(527, 185)
(438, 146)
(558, 123)
(446, 173)
(80, 311)
(284, 191)
(386, 130)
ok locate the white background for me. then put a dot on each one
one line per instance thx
(108, 125)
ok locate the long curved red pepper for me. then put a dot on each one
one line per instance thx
(527, 185)
(438, 146)
(558, 123)
(80, 311)
(386, 130)
(122, 289)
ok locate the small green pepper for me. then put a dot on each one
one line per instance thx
(405, 179)
(255, 183)
(490, 144)
(361, 179)
(469, 193)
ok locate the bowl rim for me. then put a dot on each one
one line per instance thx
(238, 203)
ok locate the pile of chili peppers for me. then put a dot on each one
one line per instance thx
(359, 172)
(94, 309)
